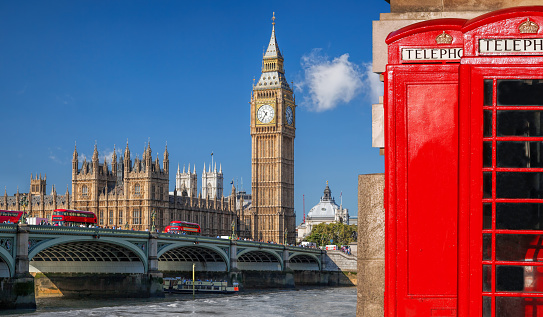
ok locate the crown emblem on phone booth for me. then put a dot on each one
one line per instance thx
(528, 27)
(444, 38)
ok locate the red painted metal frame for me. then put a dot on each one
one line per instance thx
(471, 180)
(469, 72)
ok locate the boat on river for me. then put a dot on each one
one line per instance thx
(184, 286)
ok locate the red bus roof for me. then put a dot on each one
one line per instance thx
(70, 210)
(184, 223)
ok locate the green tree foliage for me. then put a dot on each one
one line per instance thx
(332, 233)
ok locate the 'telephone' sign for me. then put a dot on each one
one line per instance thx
(431, 54)
(510, 46)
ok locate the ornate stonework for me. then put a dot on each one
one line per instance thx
(273, 121)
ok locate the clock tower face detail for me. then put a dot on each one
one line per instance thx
(273, 120)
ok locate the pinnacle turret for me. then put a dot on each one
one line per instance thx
(273, 49)
(273, 73)
(95, 154)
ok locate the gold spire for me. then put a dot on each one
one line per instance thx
(273, 19)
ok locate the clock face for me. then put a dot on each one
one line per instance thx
(289, 115)
(265, 113)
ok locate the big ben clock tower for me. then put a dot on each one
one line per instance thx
(273, 121)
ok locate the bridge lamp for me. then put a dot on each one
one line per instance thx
(24, 203)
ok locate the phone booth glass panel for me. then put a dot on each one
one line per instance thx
(501, 178)
(506, 146)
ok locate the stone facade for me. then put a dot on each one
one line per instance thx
(273, 118)
(186, 183)
(126, 194)
(371, 245)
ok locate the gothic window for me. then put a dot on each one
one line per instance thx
(153, 192)
(136, 217)
(110, 218)
(85, 191)
(120, 217)
(137, 189)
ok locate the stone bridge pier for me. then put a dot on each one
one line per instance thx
(17, 291)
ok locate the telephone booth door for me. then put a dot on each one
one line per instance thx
(422, 84)
(505, 137)
(501, 165)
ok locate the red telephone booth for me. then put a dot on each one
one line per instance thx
(464, 166)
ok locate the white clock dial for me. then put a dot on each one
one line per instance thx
(289, 115)
(265, 113)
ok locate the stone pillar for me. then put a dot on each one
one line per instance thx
(152, 253)
(323, 260)
(233, 256)
(154, 275)
(371, 245)
(286, 261)
(18, 291)
(21, 257)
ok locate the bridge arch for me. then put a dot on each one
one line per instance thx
(259, 260)
(105, 255)
(304, 262)
(179, 257)
(7, 264)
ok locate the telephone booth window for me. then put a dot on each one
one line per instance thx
(512, 211)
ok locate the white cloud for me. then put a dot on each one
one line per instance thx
(333, 82)
(329, 82)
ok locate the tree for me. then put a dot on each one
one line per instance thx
(332, 233)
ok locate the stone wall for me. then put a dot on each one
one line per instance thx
(315, 278)
(371, 245)
(78, 285)
(17, 293)
(339, 261)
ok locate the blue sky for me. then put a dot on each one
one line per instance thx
(181, 73)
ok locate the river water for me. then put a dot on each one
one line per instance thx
(337, 301)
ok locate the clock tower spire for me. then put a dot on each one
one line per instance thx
(272, 134)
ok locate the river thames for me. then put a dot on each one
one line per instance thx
(337, 301)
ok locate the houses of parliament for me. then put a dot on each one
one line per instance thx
(134, 193)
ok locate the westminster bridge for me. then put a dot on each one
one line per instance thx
(74, 261)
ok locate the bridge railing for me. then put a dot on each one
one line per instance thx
(87, 231)
(4, 227)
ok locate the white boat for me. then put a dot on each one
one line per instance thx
(179, 285)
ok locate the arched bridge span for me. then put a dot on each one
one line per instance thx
(85, 250)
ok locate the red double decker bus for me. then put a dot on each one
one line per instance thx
(71, 218)
(182, 227)
(8, 216)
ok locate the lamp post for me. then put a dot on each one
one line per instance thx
(153, 217)
(24, 203)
